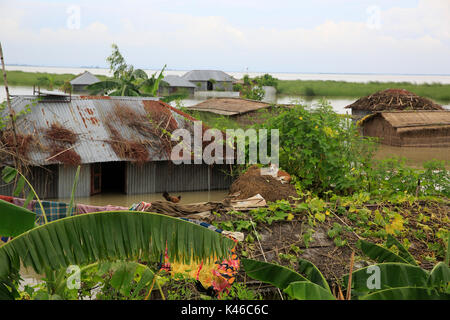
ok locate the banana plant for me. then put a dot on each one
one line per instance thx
(105, 236)
(397, 276)
(307, 284)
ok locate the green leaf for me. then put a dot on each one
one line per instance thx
(146, 279)
(440, 275)
(406, 293)
(391, 241)
(8, 174)
(29, 198)
(15, 220)
(387, 275)
(122, 279)
(103, 236)
(274, 274)
(305, 290)
(74, 188)
(19, 187)
(312, 273)
(379, 253)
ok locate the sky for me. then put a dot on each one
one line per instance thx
(324, 36)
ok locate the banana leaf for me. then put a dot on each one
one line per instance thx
(378, 253)
(15, 220)
(306, 290)
(440, 275)
(273, 274)
(406, 293)
(112, 235)
(390, 275)
(403, 253)
(312, 273)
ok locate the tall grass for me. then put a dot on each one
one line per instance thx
(22, 78)
(436, 91)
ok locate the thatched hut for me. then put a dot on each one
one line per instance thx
(243, 111)
(409, 128)
(390, 100)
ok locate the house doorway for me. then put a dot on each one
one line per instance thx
(210, 86)
(108, 177)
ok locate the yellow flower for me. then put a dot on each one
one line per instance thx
(300, 118)
(327, 212)
(317, 127)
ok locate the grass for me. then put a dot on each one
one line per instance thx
(436, 91)
(21, 78)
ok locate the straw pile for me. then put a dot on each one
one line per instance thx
(394, 99)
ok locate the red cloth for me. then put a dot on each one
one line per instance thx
(6, 198)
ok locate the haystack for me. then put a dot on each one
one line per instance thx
(252, 183)
(394, 99)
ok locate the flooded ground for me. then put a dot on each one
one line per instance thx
(415, 157)
(120, 199)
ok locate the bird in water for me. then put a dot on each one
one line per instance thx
(170, 198)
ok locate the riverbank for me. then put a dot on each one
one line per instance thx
(306, 88)
(436, 91)
(21, 78)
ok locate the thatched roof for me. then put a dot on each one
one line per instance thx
(229, 106)
(394, 99)
(405, 121)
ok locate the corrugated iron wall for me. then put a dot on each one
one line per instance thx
(153, 177)
(43, 179)
(66, 178)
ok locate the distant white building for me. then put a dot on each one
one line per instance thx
(210, 80)
(80, 83)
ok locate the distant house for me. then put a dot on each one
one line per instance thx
(175, 84)
(390, 100)
(80, 83)
(409, 128)
(210, 80)
(112, 139)
(244, 111)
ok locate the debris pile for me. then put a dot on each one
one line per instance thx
(24, 143)
(127, 149)
(394, 99)
(252, 183)
(64, 155)
(58, 133)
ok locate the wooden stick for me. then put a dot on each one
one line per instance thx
(11, 113)
(349, 286)
(48, 159)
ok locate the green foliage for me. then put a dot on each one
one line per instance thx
(320, 88)
(15, 220)
(125, 235)
(321, 149)
(309, 286)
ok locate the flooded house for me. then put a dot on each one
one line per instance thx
(408, 128)
(243, 111)
(390, 100)
(172, 84)
(80, 83)
(210, 80)
(122, 145)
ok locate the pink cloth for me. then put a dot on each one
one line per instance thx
(84, 208)
(20, 202)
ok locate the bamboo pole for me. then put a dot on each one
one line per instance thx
(11, 113)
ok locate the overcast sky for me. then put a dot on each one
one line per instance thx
(330, 36)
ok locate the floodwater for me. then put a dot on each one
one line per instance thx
(125, 200)
(350, 77)
(415, 157)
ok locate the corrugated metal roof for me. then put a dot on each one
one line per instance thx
(229, 106)
(86, 78)
(177, 81)
(205, 75)
(89, 118)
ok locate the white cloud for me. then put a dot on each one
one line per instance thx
(410, 40)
